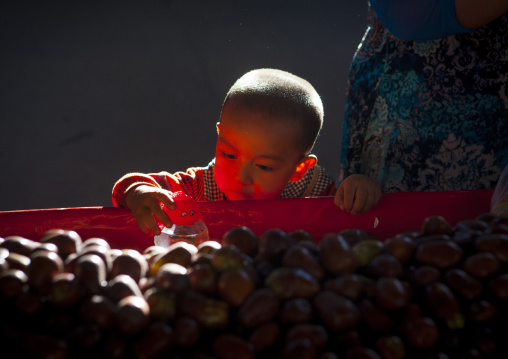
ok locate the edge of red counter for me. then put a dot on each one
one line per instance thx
(395, 213)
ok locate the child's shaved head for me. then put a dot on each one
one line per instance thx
(280, 95)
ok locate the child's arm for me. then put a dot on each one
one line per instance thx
(143, 194)
(357, 194)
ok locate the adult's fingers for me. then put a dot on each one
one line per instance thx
(373, 196)
(349, 198)
(339, 198)
(359, 200)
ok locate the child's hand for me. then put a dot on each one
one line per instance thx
(145, 202)
(357, 194)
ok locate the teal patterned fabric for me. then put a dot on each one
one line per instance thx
(428, 115)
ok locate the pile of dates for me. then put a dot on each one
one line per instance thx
(436, 293)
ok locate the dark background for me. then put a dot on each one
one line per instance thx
(91, 90)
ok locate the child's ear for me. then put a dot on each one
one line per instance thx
(218, 127)
(302, 168)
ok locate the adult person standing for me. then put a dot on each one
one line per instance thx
(427, 97)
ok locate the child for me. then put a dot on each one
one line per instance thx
(269, 122)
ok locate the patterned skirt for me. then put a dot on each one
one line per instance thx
(428, 115)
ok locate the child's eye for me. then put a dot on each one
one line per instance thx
(265, 168)
(229, 156)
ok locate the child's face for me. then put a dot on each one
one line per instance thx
(254, 158)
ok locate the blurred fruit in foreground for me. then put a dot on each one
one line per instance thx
(440, 292)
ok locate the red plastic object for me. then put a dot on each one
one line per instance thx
(186, 212)
(395, 213)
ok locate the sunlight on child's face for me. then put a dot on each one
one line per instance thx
(254, 157)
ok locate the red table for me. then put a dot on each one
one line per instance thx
(395, 213)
